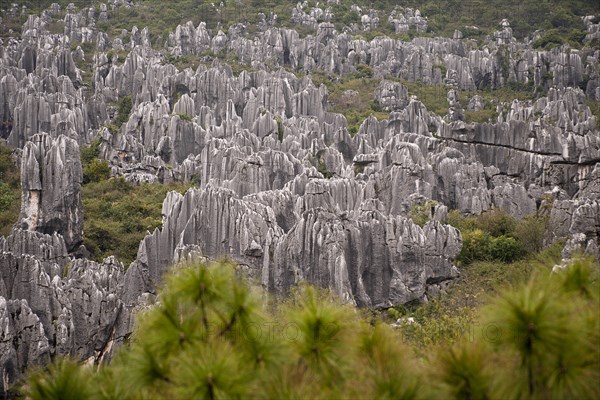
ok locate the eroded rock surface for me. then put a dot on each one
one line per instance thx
(51, 178)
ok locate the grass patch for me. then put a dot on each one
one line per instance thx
(594, 106)
(481, 116)
(434, 97)
(118, 214)
(10, 191)
(353, 97)
(449, 317)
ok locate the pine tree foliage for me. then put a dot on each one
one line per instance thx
(212, 335)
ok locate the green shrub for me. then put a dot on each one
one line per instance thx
(96, 171)
(495, 235)
(322, 168)
(564, 19)
(112, 128)
(557, 37)
(505, 248)
(123, 110)
(530, 232)
(503, 58)
(496, 222)
(375, 106)
(6, 196)
(460, 221)
(420, 213)
(349, 18)
(280, 128)
(476, 246)
(91, 152)
(362, 71)
(184, 117)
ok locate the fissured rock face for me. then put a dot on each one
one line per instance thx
(51, 178)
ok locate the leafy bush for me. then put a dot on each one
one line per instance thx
(184, 117)
(322, 168)
(6, 196)
(557, 37)
(476, 246)
(96, 171)
(362, 71)
(349, 18)
(496, 222)
(280, 128)
(530, 231)
(505, 248)
(495, 235)
(420, 213)
(375, 106)
(89, 153)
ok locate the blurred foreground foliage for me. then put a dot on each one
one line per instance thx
(214, 335)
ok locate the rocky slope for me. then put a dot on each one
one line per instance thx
(281, 186)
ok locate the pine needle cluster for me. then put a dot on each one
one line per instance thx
(212, 335)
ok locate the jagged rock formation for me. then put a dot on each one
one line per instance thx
(51, 179)
(23, 341)
(430, 60)
(404, 19)
(59, 306)
(282, 187)
(318, 245)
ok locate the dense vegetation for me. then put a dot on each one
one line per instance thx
(214, 336)
(10, 191)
